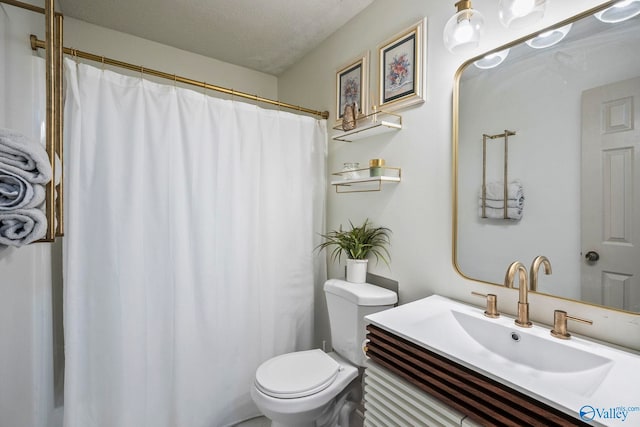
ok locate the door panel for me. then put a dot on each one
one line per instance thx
(610, 194)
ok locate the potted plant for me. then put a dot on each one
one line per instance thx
(356, 244)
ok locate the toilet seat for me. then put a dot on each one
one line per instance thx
(298, 374)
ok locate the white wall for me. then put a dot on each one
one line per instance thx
(4, 19)
(26, 373)
(124, 47)
(418, 210)
(26, 362)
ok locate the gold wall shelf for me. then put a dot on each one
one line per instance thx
(370, 125)
(362, 182)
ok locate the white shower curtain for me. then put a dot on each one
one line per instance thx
(189, 249)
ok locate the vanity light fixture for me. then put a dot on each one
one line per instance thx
(520, 13)
(464, 29)
(549, 38)
(621, 11)
(492, 60)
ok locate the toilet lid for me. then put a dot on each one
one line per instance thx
(298, 374)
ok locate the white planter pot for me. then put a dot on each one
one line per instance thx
(357, 270)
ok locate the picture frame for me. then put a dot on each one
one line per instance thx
(402, 68)
(352, 84)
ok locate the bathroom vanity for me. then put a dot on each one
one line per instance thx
(475, 370)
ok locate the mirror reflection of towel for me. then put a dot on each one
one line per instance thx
(499, 204)
(512, 213)
(494, 200)
(495, 191)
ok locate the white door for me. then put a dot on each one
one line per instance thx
(610, 194)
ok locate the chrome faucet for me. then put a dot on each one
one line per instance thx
(533, 272)
(523, 303)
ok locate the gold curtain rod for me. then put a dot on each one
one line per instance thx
(39, 44)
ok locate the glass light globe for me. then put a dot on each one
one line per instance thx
(549, 38)
(520, 13)
(492, 60)
(463, 31)
(522, 8)
(619, 12)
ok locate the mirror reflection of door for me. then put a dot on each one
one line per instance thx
(610, 195)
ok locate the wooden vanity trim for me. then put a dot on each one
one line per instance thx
(482, 399)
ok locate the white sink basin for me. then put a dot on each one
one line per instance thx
(571, 375)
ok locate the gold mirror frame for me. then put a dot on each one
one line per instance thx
(455, 141)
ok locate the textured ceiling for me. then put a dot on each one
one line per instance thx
(264, 35)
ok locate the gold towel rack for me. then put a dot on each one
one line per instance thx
(54, 200)
(54, 205)
(505, 135)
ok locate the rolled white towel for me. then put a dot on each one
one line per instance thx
(512, 213)
(18, 193)
(22, 156)
(22, 226)
(495, 190)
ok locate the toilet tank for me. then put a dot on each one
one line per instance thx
(348, 303)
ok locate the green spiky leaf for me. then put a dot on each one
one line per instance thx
(358, 242)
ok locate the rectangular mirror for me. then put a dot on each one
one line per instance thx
(574, 109)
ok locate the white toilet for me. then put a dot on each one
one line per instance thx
(312, 388)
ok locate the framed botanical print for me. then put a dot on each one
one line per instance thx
(402, 66)
(352, 85)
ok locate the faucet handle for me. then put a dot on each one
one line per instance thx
(492, 304)
(560, 324)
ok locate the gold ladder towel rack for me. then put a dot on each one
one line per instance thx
(505, 135)
(54, 200)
